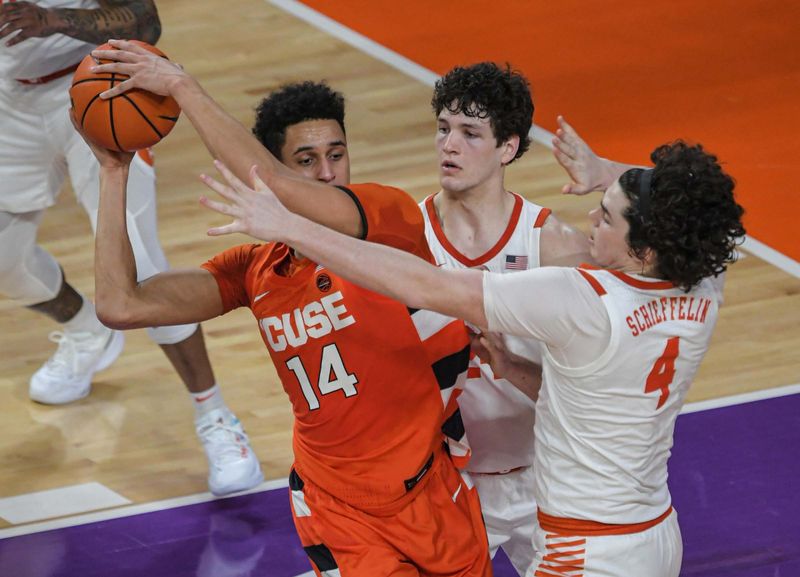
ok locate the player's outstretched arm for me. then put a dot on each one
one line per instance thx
(113, 18)
(173, 297)
(520, 372)
(587, 171)
(226, 138)
(258, 212)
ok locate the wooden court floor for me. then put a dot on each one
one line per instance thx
(135, 433)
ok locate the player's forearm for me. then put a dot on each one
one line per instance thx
(115, 265)
(609, 171)
(525, 376)
(130, 19)
(224, 136)
(391, 272)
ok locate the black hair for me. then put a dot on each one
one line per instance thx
(690, 218)
(292, 104)
(486, 90)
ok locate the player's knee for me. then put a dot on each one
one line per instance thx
(28, 277)
(171, 335)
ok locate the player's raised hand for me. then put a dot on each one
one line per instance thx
(30, 20)
(255, 210)
(147, 71)
(583, 166)
(111, 159)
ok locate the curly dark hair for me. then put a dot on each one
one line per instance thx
(486, 90)
(691, 220)
(292, 104)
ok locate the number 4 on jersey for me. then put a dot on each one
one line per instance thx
(663, 371)
(333, 376)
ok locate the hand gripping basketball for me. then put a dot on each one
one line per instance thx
(129, 121)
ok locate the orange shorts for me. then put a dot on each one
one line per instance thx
(438, 533)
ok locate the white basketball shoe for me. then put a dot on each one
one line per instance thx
(67, 375)
(232, 465)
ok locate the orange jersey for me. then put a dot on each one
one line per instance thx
(367, 377)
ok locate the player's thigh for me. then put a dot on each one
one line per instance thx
(341, 541)
(655, 552)
(509, 511)
(449, 504)
(32, 164)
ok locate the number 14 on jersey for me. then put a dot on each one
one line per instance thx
(333, 376)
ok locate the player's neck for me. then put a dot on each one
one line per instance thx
(473, 223)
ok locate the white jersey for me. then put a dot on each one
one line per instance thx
(498, 418)
(604, 424)
(38, 57)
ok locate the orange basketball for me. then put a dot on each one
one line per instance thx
(131, 121)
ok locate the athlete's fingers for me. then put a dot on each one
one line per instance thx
(232, 179)
(223, 230)
(129, 46)
(220, 207)
(566, 127)
(120, 88)
(223, 190)
(117, 55)
(563, 159)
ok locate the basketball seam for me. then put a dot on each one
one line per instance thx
(98, 79)
(143, 115)
(111, 115)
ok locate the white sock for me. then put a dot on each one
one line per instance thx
(86, 320)
(207, 401)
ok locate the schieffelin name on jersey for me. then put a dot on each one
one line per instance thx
(664, 309)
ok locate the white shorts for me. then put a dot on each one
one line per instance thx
(38, 148)
(509, 512)
(654, 552)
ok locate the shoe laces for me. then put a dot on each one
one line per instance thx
(223, 437)
(66, 359)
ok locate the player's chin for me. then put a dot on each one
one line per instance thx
(451, 182)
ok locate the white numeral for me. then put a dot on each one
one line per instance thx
(333, 376)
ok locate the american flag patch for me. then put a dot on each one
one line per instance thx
(514, 262)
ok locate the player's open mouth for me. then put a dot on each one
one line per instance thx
(448, 166)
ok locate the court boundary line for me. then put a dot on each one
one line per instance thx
(428, 77)
(175, 502)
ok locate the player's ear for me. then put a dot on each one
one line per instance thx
(510, 147)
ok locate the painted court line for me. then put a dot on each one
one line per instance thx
(282, 483)
(748, 397)
(131, 510)
(59, 502)
(428, 77)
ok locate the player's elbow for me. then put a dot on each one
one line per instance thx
(115, 313)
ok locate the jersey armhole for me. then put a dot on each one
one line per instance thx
(362, 215)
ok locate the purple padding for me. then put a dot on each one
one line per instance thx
(242, 536)
(734, 477)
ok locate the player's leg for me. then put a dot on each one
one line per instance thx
(656, 552)
(232, 464)
(340, 540)
(509, 511)
(31, 276)
(32, 170)
(449, 503)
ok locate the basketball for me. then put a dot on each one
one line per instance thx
(128, 122)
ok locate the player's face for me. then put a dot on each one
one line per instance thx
(317, 149)
(608, 242)
(469, 157)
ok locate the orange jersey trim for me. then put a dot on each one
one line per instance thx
(598, 288)
(540, 220)
(634, 282)
(492, 252)
(564, 526)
